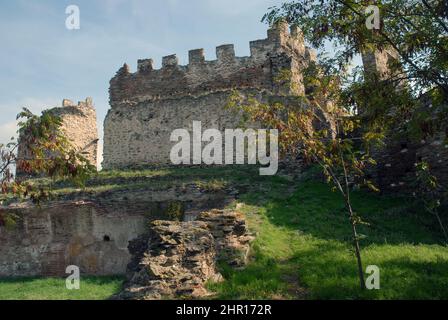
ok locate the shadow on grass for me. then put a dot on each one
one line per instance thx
(316, 210)
(303, 248)
(327, 270)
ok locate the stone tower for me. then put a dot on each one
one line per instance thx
(78, 125)
(146, 106)
(378, 62)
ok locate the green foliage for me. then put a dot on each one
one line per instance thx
(430, 193)
(385, 103)
(332, 144)
(48, 153)
(175, 210)
(302, 249)
(213, 185)
(412, 97)
(417, 30)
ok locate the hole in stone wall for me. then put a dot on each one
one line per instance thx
(106, 238)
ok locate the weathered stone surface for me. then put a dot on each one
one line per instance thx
(396, 169)
(231, 235)
(176, 259)
(179, 259)
(434, 151)
(91, 232)
(48, 239)
(282, 49)
(148, 105)
(379, 62)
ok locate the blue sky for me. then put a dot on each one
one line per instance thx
(42, 62)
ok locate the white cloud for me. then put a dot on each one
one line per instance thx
(7, 130)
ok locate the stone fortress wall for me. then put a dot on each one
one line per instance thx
(146, 106)
(91, 232)
(396, 168)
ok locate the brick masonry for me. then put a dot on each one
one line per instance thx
(91, 232)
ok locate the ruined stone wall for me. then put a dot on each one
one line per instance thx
(434, 151)
(142, 135)
(47, 240)
(79, 126)
(146, 106)
(397, 160)
(396, 168)
(193, 250)
(92, 233)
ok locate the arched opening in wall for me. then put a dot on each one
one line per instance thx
(106, 238)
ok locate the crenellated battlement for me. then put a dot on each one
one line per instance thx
(283, 48)
(149, 103)
(87, 103)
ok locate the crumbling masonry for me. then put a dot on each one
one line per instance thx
(396, 168)
(146, 106)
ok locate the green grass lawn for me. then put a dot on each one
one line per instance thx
(91, 288)
(303, 248)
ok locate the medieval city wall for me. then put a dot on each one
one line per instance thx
(46, 240)
(396, 161)
(146, 106)
(92, 233)
(143, 135)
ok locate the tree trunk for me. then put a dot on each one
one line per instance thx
(356, 245)
(441, 226)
